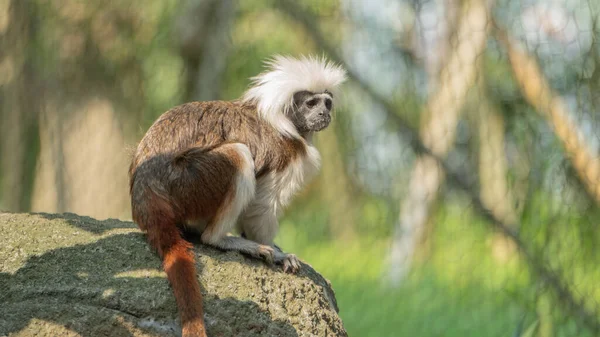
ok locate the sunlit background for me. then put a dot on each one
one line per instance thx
(461, 176)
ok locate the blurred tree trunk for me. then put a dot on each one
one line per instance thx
(83, 164)
(434, 63)
(434, 59)
(549, 104)
(92, 97)
(19, 104)
(493, 166)
(204, 28)
(494, 188)
(438, 127)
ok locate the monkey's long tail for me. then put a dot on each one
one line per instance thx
(178, 262)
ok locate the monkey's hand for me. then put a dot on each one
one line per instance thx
(265, 252)
(289, 262)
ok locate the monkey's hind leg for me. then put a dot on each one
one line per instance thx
(239, 196)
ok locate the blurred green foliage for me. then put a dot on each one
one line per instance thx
(461, 290)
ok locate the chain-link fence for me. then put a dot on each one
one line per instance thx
(460, 182)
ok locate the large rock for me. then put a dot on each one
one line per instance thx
(67, 275)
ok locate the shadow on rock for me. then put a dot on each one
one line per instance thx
(112, 287)
(87, 223)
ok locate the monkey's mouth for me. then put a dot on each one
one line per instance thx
(321, 124)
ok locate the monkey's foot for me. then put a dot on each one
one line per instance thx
(289, 262)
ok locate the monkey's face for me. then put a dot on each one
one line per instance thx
(312, 111)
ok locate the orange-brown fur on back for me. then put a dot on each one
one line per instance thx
(208, 124)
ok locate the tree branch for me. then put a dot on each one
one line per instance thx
(550, 105)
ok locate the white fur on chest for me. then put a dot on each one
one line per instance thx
(275, 190)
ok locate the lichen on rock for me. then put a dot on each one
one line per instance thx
(69, 275)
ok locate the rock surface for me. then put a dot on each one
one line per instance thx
(67, 275)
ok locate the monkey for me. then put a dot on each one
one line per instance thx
(214, 167)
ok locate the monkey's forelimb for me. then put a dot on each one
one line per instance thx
(245, 246)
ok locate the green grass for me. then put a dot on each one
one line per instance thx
(459, 290)
(427, 304)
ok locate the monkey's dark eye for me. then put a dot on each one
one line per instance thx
(328, 103)
(312, 102)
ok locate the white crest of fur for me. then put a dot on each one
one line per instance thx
(273, 91)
